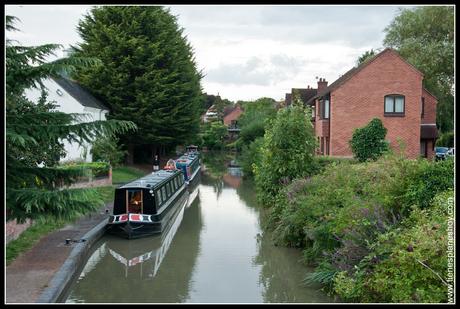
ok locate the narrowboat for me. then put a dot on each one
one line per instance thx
(147, 249)
(189, 164)
(145, 206)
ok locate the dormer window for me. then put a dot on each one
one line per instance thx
(394, 105)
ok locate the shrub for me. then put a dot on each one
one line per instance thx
(91, 169)
(250, 155)
(287, 152)
(429, 179)
(413, 266)
(369, 142)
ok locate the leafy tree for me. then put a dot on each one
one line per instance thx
(446, 139)
(252, 121)
(368, 54)
(148, 72)
(213, 135)
(33, 191)
(287, 152)
(107, 149)
(425, 37)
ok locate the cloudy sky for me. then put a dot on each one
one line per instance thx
(245, 52)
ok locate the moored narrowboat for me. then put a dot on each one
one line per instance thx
(145, 206)
(189, 164)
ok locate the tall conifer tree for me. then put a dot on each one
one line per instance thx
(147, 72)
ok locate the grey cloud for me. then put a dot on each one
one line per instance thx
(348, 25)
(256, 71)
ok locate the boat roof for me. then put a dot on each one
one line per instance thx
(152, 180)
(186, 159)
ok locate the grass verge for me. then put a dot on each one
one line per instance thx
(44, 226)
(124, 174)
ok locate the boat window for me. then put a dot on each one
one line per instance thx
(134, 201)
(159, 197)
(163, 191)
(168, 189)
(176, 181)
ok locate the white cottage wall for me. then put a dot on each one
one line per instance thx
(68, 104)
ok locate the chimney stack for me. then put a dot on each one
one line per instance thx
(322, 84)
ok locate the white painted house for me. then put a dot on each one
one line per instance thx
(72, 98)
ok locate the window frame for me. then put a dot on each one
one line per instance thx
(323, 108)
(423, 106)
(393, 113)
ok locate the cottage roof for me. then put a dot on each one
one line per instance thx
(83, 96)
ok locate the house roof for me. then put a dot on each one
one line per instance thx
(353, 71)
(305, 93)
(83, 96)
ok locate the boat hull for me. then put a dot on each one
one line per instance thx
(132, 227)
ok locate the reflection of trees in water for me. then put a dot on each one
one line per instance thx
(111, 281)
(216, 161)
(246, 191)
(282, 277)
(216, 183)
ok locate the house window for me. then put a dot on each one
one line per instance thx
(327, 145)
(322, 145)
(394, 105)
(325, 109)
(423, 106)
(313, 111)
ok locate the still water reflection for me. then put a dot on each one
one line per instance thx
(214, 252)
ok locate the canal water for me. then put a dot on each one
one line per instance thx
(214, 252)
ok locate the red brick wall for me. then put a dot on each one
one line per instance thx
(361, 98)
(429, 115)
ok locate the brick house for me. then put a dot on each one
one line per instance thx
(385, 87)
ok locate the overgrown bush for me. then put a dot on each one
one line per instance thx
(353, 219)
(287, 152)
(409, 262)
(250, 155)
(369, 142)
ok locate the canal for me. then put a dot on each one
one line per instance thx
(214, 252)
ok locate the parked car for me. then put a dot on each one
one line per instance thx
(440, 152)
(450, 152)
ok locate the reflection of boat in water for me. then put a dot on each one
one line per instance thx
(150, 269)
(145, 206)
(158, 247)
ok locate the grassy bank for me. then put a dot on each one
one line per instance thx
(375, 231)
(123, 174)
(45, 225)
